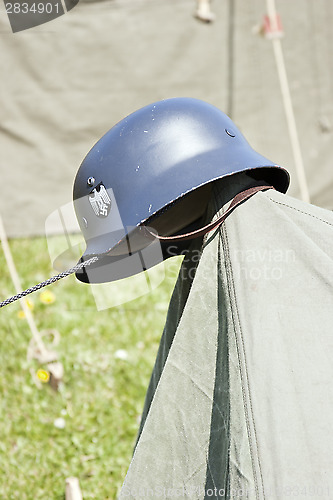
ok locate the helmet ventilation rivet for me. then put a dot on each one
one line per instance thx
(91, 181)
(230, 132)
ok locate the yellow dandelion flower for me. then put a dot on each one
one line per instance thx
(43, 375)
(47, 297)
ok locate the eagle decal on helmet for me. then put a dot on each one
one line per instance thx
(100, 201)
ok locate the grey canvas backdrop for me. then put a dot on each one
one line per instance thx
(67, 82)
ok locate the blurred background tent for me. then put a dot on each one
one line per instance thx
(68, 81)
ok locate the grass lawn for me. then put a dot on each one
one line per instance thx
(108, 357)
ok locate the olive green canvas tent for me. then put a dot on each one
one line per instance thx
(240, 401)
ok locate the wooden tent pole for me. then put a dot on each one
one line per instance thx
(40, 352)
(287, 102)
(17, 284)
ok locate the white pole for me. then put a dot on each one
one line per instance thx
(17, 284)
(287, 102)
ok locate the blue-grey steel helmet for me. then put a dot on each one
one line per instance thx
(155, 167)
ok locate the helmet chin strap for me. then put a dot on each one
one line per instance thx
(237, 200)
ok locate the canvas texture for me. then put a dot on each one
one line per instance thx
(240, 400)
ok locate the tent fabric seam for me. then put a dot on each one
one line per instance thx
(219, 267)
(235, 318)
(301, 211)
(209, 470)
(243, 370)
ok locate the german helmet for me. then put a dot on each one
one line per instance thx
(155, 168)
